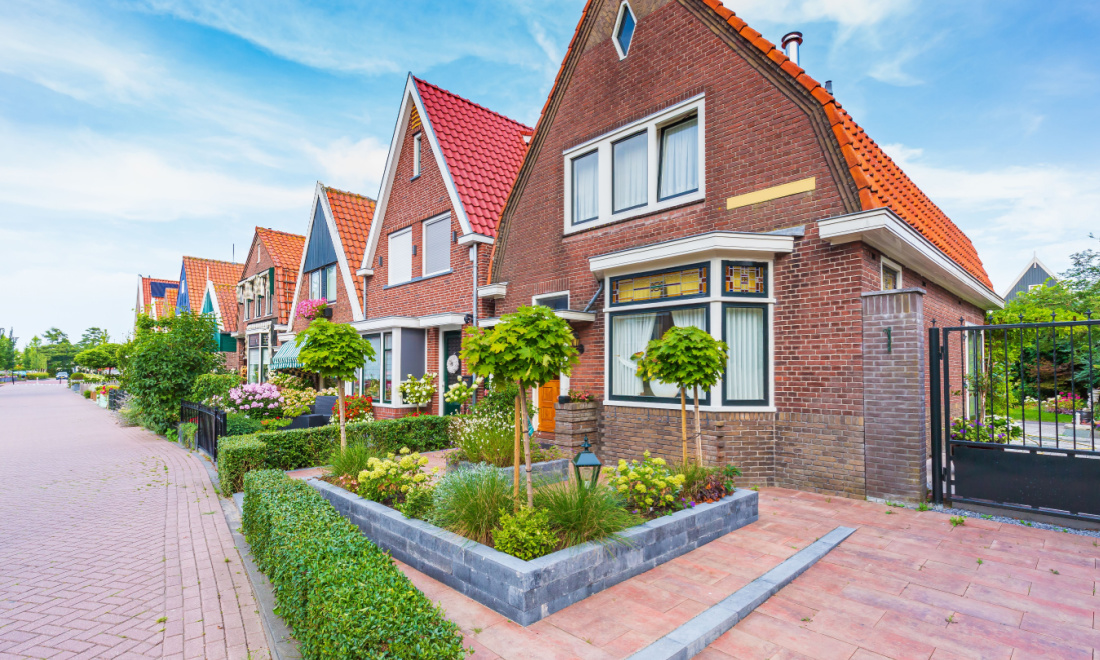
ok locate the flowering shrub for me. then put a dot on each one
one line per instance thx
(526, 534)
(647, 485)
(103, 390)
(356, 409)
(328, 391)
(581, 396)
(418, 391)
(311, 308)
(257, 400)
(995, 429)
(486, 437)
(460, 392)
(390, 480)
(297, 402)
(1065, 403)
(288, 381)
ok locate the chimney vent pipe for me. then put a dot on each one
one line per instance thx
(791, 41)
(829, 86)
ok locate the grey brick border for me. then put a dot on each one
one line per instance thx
(526, 591)
(692, 637)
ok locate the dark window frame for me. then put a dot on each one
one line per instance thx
(705, 265)
(573, 187)
(661, 153)
(644, 132)
(766, 349)
(731, 294)
(704, 398)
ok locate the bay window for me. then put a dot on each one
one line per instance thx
(631, 333)
(647, 166)
(372, 370)
(745, 333)
(387, 367)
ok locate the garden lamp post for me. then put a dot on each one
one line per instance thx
(586, 464)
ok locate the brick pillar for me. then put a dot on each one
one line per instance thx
(894, 410)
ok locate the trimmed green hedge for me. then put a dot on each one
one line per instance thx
(299, 448)
(236, 456)
(339, 593)
(238, 424)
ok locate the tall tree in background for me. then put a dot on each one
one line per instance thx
(32, 358)
(55, 336)
(7, 352)
(93, 336)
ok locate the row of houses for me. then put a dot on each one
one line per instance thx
(683, 171)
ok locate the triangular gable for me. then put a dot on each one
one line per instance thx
(319, 250)
(183, 303)
(321, 218)
(869, 172)
(477, 151)
(1035, 272)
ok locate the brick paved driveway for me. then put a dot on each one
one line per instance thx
(112, 541)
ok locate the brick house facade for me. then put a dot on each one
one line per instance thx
(450, 166)
(263, 299)
(207, 286)
(685, 172)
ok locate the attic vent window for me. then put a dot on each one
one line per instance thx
(624, 30)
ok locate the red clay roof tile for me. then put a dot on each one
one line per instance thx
(483, 150)
(286, 253)
(353, 214)
(224, 275)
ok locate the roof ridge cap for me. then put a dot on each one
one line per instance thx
(448, 92)
(348, 192)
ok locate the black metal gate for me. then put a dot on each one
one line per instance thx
(1013, 417)
(210, 423)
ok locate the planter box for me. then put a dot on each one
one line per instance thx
(549, 471)
(573, 422)
(526, 591)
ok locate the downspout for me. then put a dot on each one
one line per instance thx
(473, 257)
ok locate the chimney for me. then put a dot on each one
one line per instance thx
(791, 42)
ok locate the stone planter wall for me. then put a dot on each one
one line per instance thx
(572, 422)
(526, 591)
(545, 472)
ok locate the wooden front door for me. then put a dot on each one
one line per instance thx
(548, 396)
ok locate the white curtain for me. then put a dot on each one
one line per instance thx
(629, 172)
(679, 159)
(631, 333)
(745, 367)
(681, 318)
(586, 201)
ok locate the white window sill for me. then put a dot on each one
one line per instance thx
(676, 406)
(419, 279)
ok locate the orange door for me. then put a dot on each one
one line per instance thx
(548, 396)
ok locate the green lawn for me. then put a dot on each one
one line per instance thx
(1033, 415)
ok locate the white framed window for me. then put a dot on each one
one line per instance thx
(269, 303)
(558, 300)
(315, 285)
(644, 167)
(400, 256)
(259, 306)
(330, 283)
(624, 30)
(890, 274)
(416, 154)
(437, 245)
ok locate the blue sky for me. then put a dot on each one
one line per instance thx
(134, 132)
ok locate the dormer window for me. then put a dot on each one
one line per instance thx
(624, 30)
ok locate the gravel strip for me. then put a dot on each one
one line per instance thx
(1015, 521)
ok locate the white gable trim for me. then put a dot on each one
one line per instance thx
(212, 292)
(1034, 262)
(319, 197)
(411, 97)
(341, 256)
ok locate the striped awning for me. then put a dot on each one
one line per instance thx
(286, 357)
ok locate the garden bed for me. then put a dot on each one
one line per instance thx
(547, 472)
(527, 591)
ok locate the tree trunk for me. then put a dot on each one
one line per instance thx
(684, 423)
(527, 449)
(698, 431)
(343, 432)
(515, 457)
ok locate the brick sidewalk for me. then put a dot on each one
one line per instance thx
(905, 585)
(112, 541)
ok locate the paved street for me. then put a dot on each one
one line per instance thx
(112, 541)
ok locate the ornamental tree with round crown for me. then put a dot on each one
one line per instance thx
(334, 350)
(688, 357)
(530, 347)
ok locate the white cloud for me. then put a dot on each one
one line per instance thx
(845, 13)
(352, 166)
(1012, 211)
(93, 175)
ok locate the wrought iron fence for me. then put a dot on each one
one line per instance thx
(210, 423)
(1028, 392)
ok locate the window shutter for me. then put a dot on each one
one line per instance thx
(437, 246)
(400, 249)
